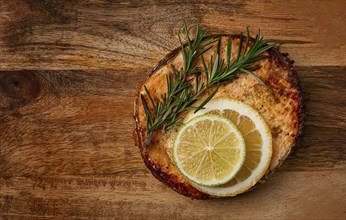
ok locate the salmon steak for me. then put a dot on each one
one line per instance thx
(276, 96)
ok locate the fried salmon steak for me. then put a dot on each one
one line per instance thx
(279, 103)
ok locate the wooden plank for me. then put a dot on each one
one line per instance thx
(288, 195)
(124, 35)
(80, 122)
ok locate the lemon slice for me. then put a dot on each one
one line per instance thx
(209, 150)
(258, 141)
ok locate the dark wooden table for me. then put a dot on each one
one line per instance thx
(68, 73)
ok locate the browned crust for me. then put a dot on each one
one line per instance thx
(293, 79)
(169, 180)
(187, 189)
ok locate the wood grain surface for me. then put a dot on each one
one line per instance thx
(68, 72)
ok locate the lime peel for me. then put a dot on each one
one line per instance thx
(209, 150)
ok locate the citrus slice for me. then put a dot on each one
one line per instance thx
(258, 141)
(209, 150)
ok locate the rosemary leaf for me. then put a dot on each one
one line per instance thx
(207, 100)
(229, 49)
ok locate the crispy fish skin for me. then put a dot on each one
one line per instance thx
(280, 105)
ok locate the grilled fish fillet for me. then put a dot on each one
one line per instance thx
(279, 103)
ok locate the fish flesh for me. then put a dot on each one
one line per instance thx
(279, 102)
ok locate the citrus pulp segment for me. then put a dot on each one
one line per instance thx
(209, 150)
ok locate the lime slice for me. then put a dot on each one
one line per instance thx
(258, 141)
(209, 150)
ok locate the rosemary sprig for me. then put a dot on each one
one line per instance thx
(182, 94)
